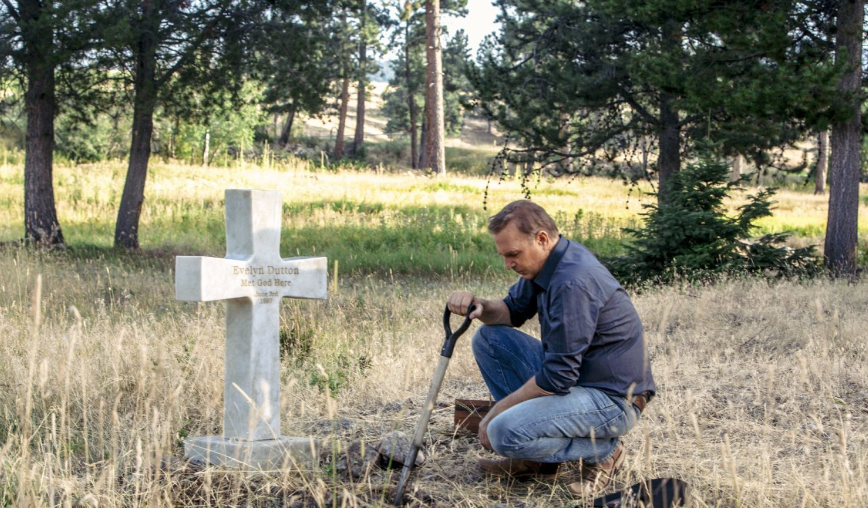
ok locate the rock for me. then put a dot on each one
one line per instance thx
(357, 461)
(394, 449)
(329, 426)
(392, 407)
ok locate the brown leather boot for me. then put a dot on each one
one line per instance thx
(596, 477)
(519, 468)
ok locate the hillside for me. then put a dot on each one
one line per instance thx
(475, 133)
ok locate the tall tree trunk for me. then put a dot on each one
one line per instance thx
(287, 127)
(144, 103)
(342, 117)
(345, 95)
(435, 147)
(669, 142)
(737, 168)
(359, 138)
(845, 164)
(40, 213)
(822, 162)
(206, 152)
(564, 136)
(411, 97)
(423, 138)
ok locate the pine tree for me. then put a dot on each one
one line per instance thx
(845, 164)
(299, 70)
(405, 99)
(403, 114)
(691, 235)
(43, 45)
(174, 51)
(587, 82)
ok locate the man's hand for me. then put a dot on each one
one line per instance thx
(459, 302)
(483, 428)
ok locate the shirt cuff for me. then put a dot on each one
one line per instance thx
(515, 318)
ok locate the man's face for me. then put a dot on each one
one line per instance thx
(526, 254)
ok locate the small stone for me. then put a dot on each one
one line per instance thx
(392, 407)
(357, 460)
(394, 450)
(340, 424)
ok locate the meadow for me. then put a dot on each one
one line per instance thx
(763, 385)
(371, 222)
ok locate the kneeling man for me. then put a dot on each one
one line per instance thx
(571, 395)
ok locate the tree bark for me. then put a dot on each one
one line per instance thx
(423, 138)
(669, 141)
(342, 117)
(345, 95)
(822, 162)
(206, 152)
(144, 103)
(845, 164)
(564, 135)
(435, 147)
(669, 160)
(737, 168)
(40, 213)
(359, 138)
(287, 127)
(411, 97)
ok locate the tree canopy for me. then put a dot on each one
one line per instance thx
(586, 84)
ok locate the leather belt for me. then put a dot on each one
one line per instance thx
(639, 401)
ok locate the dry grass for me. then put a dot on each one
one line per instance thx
(763, 387)
(763, 392)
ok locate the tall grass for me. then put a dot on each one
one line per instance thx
(763, 391)
(763, 387)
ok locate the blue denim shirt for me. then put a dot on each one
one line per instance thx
(591, 333)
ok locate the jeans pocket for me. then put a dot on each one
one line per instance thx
(615, 427)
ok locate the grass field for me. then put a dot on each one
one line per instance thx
(763, 385)
(371, 223)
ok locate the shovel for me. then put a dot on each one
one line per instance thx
(422, 426)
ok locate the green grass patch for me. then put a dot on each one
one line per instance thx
(469, 161)
(370, 222)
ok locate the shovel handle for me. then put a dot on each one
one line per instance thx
(452, 338)
(439, 374)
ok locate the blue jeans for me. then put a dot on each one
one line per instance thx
(584, 424)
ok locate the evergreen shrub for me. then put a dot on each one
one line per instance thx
(690, 236)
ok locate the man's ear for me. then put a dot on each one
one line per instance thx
(542, 238)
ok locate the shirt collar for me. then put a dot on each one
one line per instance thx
(544, 277)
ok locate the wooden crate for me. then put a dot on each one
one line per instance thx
(469, 412)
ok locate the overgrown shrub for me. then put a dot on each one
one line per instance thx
(691, 236)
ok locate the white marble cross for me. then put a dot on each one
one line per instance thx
(252, 279)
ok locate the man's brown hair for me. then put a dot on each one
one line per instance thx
(528, 217)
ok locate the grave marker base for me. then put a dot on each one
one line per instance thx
(268, 455)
